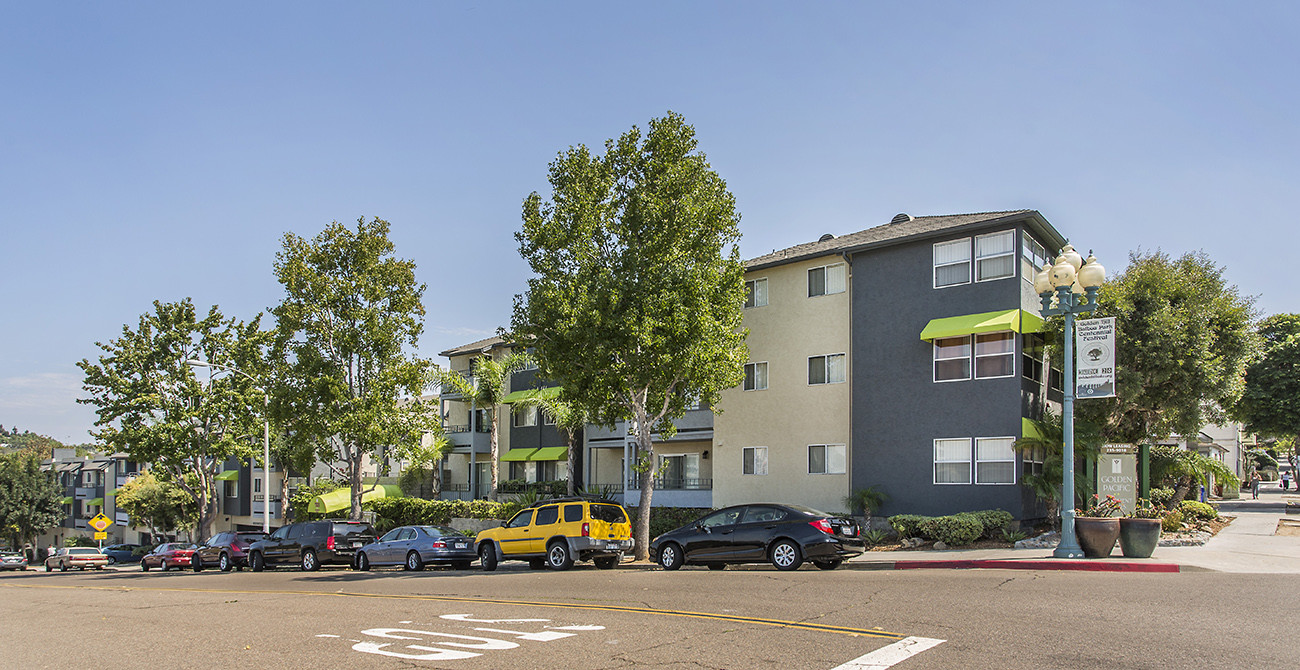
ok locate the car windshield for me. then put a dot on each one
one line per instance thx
(250, 537)
(439, 531)
(608, 513)
(351, 529)
(83, 550)
(808, 510)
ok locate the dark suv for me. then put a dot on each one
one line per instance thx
(311, 544)
(225, 550)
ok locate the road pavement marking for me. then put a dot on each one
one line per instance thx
(888, 655)
(761, 621)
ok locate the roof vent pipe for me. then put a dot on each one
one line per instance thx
(900, 218)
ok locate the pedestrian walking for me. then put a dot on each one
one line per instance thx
(1255, 479)
(1286, 481)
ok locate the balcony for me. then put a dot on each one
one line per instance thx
(696, 424)
(673, 492)
(462, 439)
(450, 393)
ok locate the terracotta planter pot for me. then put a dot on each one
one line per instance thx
(1138, 537)
(1096, 536)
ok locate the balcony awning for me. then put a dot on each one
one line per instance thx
(100, 464)
(228, 476)
(66, 500)
(95, 502)
(342, 498)
(1028, 429)
(548, 393)
(114, 491)
(1017, 320)
(539, 454)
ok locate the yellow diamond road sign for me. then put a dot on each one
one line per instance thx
(100, 522)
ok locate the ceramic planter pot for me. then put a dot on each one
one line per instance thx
(1096, 536)
(1138, 537)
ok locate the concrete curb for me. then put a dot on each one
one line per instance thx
(1019, 564)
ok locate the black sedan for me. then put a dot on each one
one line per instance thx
(413, 547)
(785, 535)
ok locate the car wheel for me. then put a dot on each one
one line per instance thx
(670, 556)
(717, 566)
(828, 565)
(309, 563)
(256, 562)
(785, 555)
(165, 567)
(112, 561)
(413, 562)
(558, 556)
(63, 567)
(48, 568)
(363, 563)
(224, 562)
(460, 565)
(606, 562)
(487, 557)
(536, 563)
(144, 567)
(196, 563)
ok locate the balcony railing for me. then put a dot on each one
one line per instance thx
(673, 484)
(464, 428)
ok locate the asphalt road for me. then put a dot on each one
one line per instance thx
(636, 616)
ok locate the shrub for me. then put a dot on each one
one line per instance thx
(664, 519)
(994, 521)
(1172, 522)
(957, 529)
(907, 525)
(1197, 511)
(874, 537)
(1161, 497)
(1014, 536)
(393, 512)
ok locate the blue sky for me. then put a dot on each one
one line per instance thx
(154, 151)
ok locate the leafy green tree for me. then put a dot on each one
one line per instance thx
(489, 384)
(569, 419)
(300, 501)
(636, 303)
(1048, 447)
(157, 504)
(1184, 338)
(1176, 468)
(40, 446)
(1271, 402)
(424, 454)
(29, 498)
(348, 324)
(151, 404)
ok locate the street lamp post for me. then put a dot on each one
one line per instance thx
(266, 437)
(1068, 288)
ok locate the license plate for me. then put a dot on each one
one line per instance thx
(357, 544)
(614, 546)
(461, 545)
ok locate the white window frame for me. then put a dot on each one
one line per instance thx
(969, 358)
(755, 365)
(758, 471)
(516, 417)
(1011, 459)
(1010, 252)
(827, 468)
(752, 293)
(1033, 254)
(969, 461)
(826, 363)
(976, 356)
(547, 418)
(969, 262)
(826, 286)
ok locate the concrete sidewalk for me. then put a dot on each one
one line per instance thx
(1248, 545)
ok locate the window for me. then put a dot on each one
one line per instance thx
(520, 520)
(1033, 459)
(826, 279)
(1033, 257)
(754, 461)
(548, 515)
(1031, 360)
(548, 419)
(952, 461)
(995, 256)
(952, 263)
(755, 376)
(572, 513)
(828, 369)
(763, 514)
(995, 460)
(257, 485)
(391, 536)
(826, 459)
(232, 488)
(525, 416)
(995, 355)
(756, 293)
(726, 517)
(952, 358)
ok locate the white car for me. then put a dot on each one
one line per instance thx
(76, 557)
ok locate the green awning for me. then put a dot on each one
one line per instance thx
(342, 498)
(228, 476)
(66, 500)
(1028, 429)
(548, 393)
(114, 491)
(95, 502)
(540, 454)
(1017, 320)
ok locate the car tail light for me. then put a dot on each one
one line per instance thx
(823, 525)
(329, 543)
(586, 529)
(439, 544)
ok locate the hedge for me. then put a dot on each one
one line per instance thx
(955, 529)
(664, 519)
(393, 512)
(1197, 511)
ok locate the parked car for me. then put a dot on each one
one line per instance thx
(13, 560)
(785, 535)
(556, 533)
(413, 547)
(225, 550)
(124, 553)
(169, 555)
(311, 544)
(76, 557)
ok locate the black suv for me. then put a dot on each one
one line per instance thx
(225, 550)
(311, 544)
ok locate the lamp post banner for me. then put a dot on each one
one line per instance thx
(1095, 371)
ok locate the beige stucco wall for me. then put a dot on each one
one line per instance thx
(791, 414)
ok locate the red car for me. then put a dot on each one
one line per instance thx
(169, 555)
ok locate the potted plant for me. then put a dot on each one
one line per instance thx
(1097, 527)
(1140, 533)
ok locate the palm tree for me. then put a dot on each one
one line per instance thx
(489, 384)
(430, 449)
(569, 419)
(1048, 445)
(1179, 468)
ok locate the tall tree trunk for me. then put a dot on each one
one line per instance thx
(573, 462)
(646, 448)
(354, 480)
(495, 456)
(1184, 485)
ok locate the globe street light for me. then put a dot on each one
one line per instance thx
(1067, 288)
(266, 437)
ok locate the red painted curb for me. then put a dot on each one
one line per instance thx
(1044, 564)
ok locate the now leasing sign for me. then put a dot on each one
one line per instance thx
(1094, 343)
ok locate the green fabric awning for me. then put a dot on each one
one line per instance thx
(1017, 320)
(342, 498)
(95, 502)
(66, 500)
(1028, 429)
(114, 491)
(548, 393)
(540, 454)
(228, 476)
